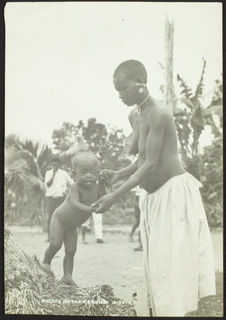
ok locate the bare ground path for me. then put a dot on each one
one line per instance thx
(114, 262)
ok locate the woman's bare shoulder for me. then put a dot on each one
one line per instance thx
(160, 110)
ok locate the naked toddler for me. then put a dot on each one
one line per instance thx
(74, 211)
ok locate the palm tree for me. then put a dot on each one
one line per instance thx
(25, 164)
(18, 178)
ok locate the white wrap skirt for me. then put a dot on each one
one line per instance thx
(177, 247)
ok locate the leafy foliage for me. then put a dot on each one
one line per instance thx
(207, 167)
(186, 90)
(192, 122)
(12, 141)
(65, 137)
(107, 143)
(38, 155)
(25, 164)
(212, 179)
(16, 172)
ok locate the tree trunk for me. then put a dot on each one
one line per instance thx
(169, 91)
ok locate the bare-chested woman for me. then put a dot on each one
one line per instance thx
(178, 257)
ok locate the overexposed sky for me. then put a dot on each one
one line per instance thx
(60, 57)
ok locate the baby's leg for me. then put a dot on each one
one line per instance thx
(56, 240)
(70, 244)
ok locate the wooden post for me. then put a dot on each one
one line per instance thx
(169, 91)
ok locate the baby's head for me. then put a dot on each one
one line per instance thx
(86, 168)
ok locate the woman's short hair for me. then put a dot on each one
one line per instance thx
(132, 69)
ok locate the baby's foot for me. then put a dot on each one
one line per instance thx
(46, 267)
(68, 282)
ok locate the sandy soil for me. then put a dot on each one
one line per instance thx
(114, 262)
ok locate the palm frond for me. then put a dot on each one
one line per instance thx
(187, 102)
(12, 141)
(199, 88)
(16, 174)
(13, 160)
(30, 146)
(44, 159)
(31, 160)
(21, 171)
(41, 148)
(186, 91)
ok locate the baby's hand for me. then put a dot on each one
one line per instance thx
(105, 173)
(102, 174)
(109, 176)
(94, 206)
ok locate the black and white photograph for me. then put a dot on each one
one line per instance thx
(113, 159)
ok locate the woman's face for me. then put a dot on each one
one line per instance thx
(127, 89)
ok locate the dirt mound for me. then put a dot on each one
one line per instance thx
(30, 290)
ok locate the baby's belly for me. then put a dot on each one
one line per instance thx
(70, 217)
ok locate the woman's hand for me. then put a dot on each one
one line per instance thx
(109, 176)
(104, 203)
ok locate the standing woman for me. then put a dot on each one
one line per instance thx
(177, 247)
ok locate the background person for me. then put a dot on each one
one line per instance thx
(85, 227)
(57, 182)
(97, 228)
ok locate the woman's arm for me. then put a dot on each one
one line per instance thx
(74, 199)
(127, 171)
(152, 153)
(101, 188)
(111, 176)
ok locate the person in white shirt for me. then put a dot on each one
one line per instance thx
(56, 184)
